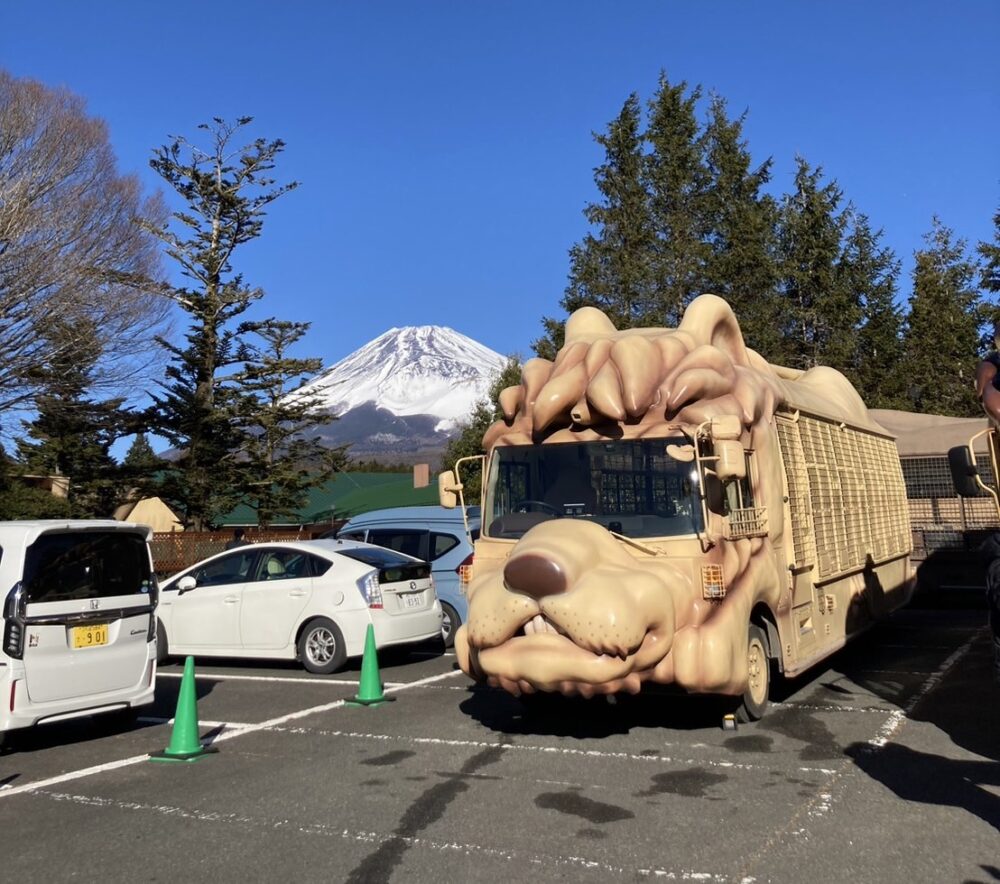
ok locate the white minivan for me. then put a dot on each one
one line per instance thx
(79, 620)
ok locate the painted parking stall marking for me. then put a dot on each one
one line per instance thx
(225, 735)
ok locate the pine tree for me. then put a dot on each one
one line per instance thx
(868, 272)
(611, 268)
(941, 339)
(469, 441)
(676, 180)
(990, 280)
(20, 500)
(742, 230)
(72, 432)
(140, 467)
(226, 190)
(819, 315)
(279, 460)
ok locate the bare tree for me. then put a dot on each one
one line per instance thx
(71, 249)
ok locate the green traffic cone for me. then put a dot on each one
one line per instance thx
(185, 743)
(370, 689)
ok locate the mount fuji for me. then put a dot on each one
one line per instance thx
(403, 395)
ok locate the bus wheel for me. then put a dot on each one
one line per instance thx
(754, 700)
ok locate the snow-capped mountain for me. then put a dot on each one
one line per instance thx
(407, 389)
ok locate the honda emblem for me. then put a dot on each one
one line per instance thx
(95, 604)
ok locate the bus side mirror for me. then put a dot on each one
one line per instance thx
(963, 471)
(448, 488)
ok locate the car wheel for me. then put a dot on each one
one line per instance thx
(449, 624)
(321, 646)
(161, 642)
(754, 700)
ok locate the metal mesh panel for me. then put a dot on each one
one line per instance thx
(934, 504)
(749, 521)
(855, 492)
(799, 505)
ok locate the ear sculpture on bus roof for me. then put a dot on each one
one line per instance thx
(641, 378)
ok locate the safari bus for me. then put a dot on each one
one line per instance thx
(663, 506)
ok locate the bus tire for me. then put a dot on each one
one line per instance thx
(754, 700)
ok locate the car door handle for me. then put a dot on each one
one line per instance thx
(231, 599)
(296, 593)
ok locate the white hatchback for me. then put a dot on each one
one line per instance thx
(309, 600)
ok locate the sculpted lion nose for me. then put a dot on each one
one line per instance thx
(534, 575)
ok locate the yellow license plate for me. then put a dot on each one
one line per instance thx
(89, 636)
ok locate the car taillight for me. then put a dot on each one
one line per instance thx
(464, 571)
(371, 590)
(14, 610)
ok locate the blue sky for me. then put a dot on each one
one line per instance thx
(444, 149)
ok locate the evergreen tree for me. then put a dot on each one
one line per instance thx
(279, 460)
(226, 190)
(20, 500)
(469, 441)
(140, 467)
(612, 268)
(990, 281)
(819, 315)
(676, 180)
(868, 272)
(72, 433)
(941, 338)
(742, 229)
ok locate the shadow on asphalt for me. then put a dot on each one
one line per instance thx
(577, 718)
(966, 707)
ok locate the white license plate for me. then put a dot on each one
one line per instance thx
(414, 600)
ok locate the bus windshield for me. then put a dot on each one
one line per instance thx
(632, 487)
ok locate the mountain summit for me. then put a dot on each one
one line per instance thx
(406, 390)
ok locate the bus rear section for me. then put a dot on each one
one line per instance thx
(79, 625)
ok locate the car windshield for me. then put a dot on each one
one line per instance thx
(636, 487)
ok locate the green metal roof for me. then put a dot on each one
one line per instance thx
(346, 495)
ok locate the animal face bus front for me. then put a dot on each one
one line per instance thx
(78, 620)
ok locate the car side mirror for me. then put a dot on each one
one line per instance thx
(963, 471)
(186, 584)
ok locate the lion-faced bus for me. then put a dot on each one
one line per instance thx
(664, 506)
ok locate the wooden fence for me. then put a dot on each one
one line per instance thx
(174, 551)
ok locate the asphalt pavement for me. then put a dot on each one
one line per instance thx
(880, 765)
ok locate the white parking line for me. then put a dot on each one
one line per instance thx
(152, 719)
(823, 799)
(290, 679)
(225, 735)
(543, 750)
(522, 861)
